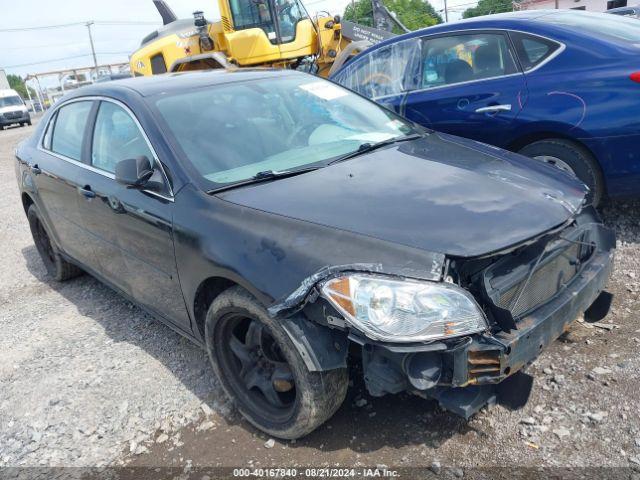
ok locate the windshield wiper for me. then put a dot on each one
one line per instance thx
(264, 176)
(368, 147)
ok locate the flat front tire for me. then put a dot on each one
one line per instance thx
(263, 373)
(571, 157)
(57, 267)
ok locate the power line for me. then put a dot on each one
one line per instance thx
(43, 27)
(62, 45)
(64, 58)
(55, 45)
(125, 22)
(75, 24)
(463, 4)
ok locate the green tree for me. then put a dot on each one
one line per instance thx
(17, 83)
(413, 14)
(487, 7)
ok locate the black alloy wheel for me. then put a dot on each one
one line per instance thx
(56, 266)
(43, 244)
(256, 367)
(263, 372)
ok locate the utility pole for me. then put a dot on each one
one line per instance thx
(93, 50)
(446, 12)
(33, 105)
(40, 93)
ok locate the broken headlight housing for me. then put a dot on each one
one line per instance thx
(404, 310)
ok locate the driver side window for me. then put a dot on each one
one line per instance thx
(116, 137)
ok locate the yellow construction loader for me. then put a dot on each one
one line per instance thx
(276, 33)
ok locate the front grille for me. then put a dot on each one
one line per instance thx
(511, 285)
(546, 281)
(13, 115)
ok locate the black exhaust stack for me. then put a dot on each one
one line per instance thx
(165, 12)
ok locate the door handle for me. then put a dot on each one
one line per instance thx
(35, 169)
(494, 108)
(86, 192)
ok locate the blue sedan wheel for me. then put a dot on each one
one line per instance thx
(571, 158)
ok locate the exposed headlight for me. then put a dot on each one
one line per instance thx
(404, 310)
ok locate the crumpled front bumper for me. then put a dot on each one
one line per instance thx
(492, 358)
(462, 375)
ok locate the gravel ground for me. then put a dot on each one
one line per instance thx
(88, 379)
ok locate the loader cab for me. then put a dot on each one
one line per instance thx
(277, 18)
(249, 33)
(267, 31)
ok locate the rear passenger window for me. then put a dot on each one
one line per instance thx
(533, 50)
(68, 130)
(46, 141)
(116, 137)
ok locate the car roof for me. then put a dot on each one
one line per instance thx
(8, 92)
(178, 82)
(502, 18)
(518, 20)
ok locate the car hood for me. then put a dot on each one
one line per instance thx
(440, 193)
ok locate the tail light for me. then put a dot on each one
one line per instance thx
(635, 76)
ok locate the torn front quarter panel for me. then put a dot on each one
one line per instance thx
(296, 300)
(462, 373)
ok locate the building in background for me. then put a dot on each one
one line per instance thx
(589, 5)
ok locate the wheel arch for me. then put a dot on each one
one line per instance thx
(27, 201)
(532, 137)
(206, 293)
(320, 347)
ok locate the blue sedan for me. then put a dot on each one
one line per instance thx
(560, 86)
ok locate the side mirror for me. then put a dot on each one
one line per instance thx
(134, 172)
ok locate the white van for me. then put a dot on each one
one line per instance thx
(12, 109)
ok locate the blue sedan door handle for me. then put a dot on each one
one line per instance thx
(35, 169)
(494, 108)
(86, 191)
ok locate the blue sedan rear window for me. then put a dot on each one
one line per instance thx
(620, 28)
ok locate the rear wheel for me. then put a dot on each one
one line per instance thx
(57, 267)
(572, 158)
(263, 373)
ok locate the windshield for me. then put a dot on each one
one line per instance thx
(232, 132)
(620, 28)
(10, 102)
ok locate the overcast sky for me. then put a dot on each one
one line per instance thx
(42, 50)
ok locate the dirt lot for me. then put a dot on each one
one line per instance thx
(88, 379)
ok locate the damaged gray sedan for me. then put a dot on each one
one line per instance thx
(294, 228)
